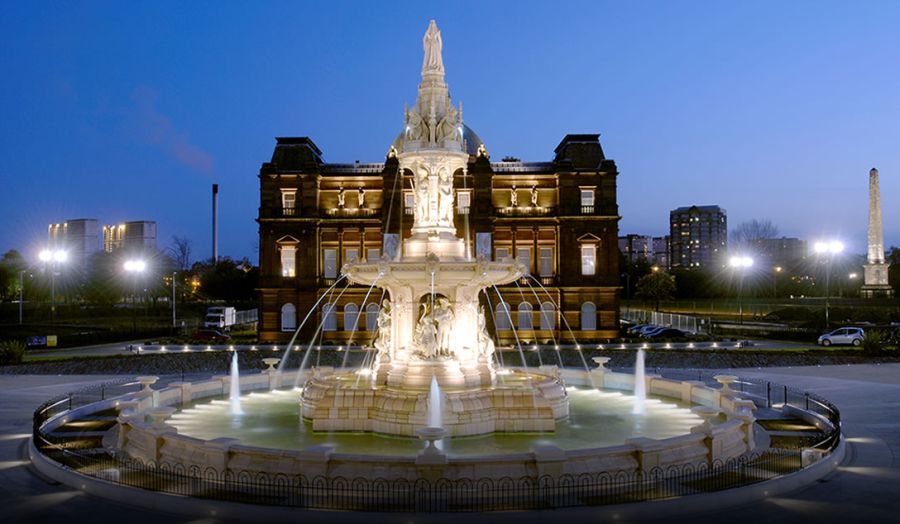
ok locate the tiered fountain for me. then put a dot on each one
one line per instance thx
(433, 371)
(432, 327)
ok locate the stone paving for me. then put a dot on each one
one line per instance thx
(865, 488)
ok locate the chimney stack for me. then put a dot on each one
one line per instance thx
(215, 223)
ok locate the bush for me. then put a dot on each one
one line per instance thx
(873, 341)
(11, 352)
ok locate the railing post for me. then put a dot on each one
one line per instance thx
(807, 401)
(785, 396)
(768, 394)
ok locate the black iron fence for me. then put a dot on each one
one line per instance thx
(423, 495)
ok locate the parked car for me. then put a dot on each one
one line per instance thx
(211, 335)
(636, 329)
(845, 335)
(665, 332)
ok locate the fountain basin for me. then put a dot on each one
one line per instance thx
(599, 435)
(517, 402)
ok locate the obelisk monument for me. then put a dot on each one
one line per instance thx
(876, 270)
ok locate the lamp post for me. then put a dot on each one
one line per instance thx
(741, 264)
(135, 267)
(627, 284)
(776, 271)
(21, 295)
(174, 273)
(831, 249)
(53, 259)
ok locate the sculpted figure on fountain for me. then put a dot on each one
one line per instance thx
(426, 335)
(416, 129)
(445, 197)
(383, 342)
(443, 317)
(421, 190)
(448, 127)
(433, 61)
(485, 342)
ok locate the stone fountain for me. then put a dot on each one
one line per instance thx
(432, 325)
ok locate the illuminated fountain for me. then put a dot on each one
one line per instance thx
(431, 325)
(433, 372)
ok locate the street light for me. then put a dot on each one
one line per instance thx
(777, 269)
(53, 259)
(174, 273)
(831, 249)
(741, 263)
(135, 267)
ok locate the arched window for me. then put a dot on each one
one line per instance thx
(588, 316)
(372, 317)
(351, 316)
(502, 318)
(288, 317)
(525, 316)
(548, 316)
(329, 322)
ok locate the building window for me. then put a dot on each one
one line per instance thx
(548, 316)
(351, 317)
(372, 311)
(587, 197)
(329, 318)
(373, 254)
(330, 263)
(351, 254)
(588, 316)
(523, 255)
(463, 201)
(409, 203)
(545, 264)
(503, 319)
(589, 259)
(501, 253)
(587, 201)
(483, 245)
(288, 201)
(288, 260)
(525, 316)
(288, 317)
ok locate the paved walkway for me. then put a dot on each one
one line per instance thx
(866, 488)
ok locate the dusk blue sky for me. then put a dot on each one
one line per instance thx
(131, 110)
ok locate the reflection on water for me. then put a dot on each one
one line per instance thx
(597, 419)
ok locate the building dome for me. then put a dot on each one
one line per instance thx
(471, 141)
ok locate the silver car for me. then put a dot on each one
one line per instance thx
(845, 335)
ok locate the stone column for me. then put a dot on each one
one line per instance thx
(875, 281)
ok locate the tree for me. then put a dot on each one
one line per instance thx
(181, 252)
(10, 266)
(749, 235)
(656, 286)
(893, 258)
(228, 280)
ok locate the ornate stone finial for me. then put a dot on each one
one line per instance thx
(482, 151)
(433, 61)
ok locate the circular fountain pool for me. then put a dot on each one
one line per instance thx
(596, 419)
